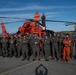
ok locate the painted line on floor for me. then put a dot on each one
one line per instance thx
(23, 66)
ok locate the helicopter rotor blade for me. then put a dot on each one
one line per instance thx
(13, 22)
(61, 21)
(32, 20)
(16, 18)
(68, 24)
(12, 18)
(40, 20)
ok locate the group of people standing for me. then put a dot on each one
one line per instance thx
(57, 46)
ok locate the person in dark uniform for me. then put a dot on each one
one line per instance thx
(72, 47)
(25, 48)
(12, 46)
(16, 41)
(42, 47)
(46, 46)
(50, 36)
(0, 48)
(27, 35)
(4, 42)
(43, 17)
(36, 47)
(75, 47)
(60, 44)
(54, 41)
(18, 45)
(31, 44)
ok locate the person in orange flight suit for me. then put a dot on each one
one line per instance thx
(66, 48)
(37, 17)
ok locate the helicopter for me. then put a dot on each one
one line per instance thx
(30, 26)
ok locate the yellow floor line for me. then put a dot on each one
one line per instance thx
(18, 68)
